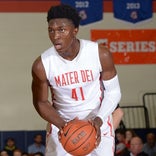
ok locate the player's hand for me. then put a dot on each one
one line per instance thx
(97, 123)
(61, 130)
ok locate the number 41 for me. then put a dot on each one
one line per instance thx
(76, 92)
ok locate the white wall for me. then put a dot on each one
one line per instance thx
(23, 37)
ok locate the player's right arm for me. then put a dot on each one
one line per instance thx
(40, 95)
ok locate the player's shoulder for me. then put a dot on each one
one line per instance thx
(38, 71)
(37, 64)
(103, 48)
(103, 51)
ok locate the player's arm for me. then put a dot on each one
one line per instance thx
(112, 94)
(117, 117)
(40, 95)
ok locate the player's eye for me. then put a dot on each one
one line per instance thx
(62, 30)
(50, 30)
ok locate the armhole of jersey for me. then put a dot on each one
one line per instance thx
(100, 66)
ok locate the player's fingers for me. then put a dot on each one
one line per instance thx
(60, 132)
(91, 122)
(98, 139)
(59, 135)
(98, 135)
(76, 118)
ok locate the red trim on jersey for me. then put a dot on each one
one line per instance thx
(111, 130)
(110, 125)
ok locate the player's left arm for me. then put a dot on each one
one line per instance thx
(112, 94)
(109, 78)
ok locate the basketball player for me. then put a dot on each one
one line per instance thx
(73, 69)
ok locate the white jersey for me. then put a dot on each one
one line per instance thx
(77, 92)
(75, 84)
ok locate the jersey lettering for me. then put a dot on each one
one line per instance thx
(67, 79)
(74, 77)
(76, 92)
(87, 75)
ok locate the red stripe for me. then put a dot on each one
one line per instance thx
(111, 131)
(26, 6)
(110, 125)
(43, 5)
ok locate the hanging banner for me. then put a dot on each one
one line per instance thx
(133, 11)
(129, 46)
(89, 10)
(43, 5)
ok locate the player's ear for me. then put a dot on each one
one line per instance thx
(76, 31)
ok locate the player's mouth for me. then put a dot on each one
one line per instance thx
(58, 46)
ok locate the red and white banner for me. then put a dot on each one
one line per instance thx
(129, 46)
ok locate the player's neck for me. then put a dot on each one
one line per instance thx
(72, 51)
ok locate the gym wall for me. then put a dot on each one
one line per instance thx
(24, 36)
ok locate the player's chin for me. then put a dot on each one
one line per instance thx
(59, 49)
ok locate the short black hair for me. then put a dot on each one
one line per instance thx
(64, 11)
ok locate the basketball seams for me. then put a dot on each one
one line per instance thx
(78, 138)
(73, 133)
(84, 141)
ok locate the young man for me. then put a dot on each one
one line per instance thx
(73, 69)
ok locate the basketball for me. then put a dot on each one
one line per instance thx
(78, 138)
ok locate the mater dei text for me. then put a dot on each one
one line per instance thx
(74, 77)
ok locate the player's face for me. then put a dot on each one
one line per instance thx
(62, 34)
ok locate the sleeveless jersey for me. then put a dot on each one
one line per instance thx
(75, 84)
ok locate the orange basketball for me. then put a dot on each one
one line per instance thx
(79, 138)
